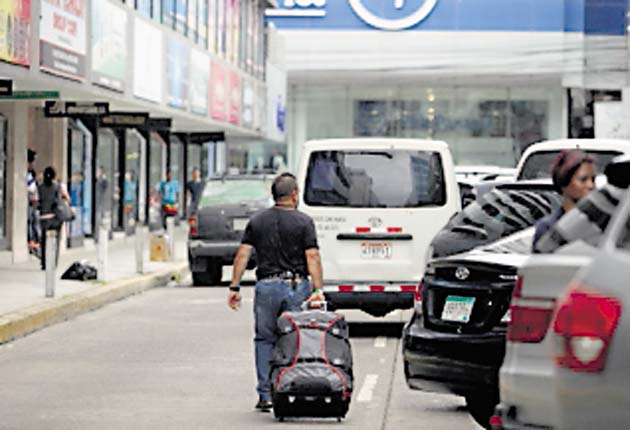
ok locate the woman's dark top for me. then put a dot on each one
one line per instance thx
(47, 197)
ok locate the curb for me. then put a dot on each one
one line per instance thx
(28, 320)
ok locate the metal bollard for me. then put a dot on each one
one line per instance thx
(51, 262)
(140, 236)
(101, 265)
(170, 232)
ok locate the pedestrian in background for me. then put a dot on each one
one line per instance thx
(31, 190)
(194, 189)
(49, 192)
(286, 253)
(169, 197)
(573, 174)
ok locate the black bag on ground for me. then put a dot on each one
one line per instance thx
(80, 271)
(311, 368)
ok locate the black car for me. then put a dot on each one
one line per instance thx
(226, 205)
(455, 341)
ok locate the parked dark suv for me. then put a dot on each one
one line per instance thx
(226, 205)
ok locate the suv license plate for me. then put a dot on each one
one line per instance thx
(376, 250)
(239, 224)
(458, 309)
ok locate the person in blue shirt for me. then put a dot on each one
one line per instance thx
(169, 197)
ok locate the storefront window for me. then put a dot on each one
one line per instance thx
(133, 169)
(481, 125)
(157, 171)
(177, 168)
(80, 182)
(107, 177)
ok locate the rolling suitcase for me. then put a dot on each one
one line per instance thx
(311, 368)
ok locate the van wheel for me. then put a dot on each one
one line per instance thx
(481, 406)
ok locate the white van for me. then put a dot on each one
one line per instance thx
(377, 203)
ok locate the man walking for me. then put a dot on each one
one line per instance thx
(286, 253)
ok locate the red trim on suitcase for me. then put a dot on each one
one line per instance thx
(345, 394)
(297, 351)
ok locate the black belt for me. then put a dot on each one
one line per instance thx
(284, 276)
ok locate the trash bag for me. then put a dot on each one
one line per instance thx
(80, 271)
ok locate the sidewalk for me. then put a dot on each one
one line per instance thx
(24, 307)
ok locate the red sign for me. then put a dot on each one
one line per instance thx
(15, 31)
(235, 98)
(218, 92)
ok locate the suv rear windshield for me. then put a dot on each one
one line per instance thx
(538, 164)
(232, 191)
(375, 179)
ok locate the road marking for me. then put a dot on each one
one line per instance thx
(367, 390)
(380, 342)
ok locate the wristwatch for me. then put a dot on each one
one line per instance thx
(235, 288)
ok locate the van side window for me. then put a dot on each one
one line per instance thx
(379, 179)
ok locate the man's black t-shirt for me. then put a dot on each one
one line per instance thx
(280, 238)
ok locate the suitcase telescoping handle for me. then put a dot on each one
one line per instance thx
(311, 306)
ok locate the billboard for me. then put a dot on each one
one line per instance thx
(109, 45)
(177, 73)
(218, 92)
(63, 40)
(235, 98)
(15, 31)
(147, 66)
(199, 79)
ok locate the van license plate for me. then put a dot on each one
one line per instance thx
(239, 224)
(458, 309)
(376, 250)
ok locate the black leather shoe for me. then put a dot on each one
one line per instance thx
(264, 405)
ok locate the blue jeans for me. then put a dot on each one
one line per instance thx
(272, 298)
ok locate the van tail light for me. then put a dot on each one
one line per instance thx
(585, 323)
(192, 223)
(529, 316)
(417, 298)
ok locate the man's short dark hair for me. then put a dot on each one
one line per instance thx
(283, 186)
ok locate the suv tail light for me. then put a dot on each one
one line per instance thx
(586, 322)
(192, 223)
(417, 298)
(529, 317)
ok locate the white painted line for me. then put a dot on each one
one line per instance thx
(367, 390)
(380, 342)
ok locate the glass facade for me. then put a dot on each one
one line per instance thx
(482, 125)
(231, 29)
(3, 169)
(80, 182)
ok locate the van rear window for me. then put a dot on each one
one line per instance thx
(375, 179)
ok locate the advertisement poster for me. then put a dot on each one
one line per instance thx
(63, 40)
(235, 98)
(247, 114)
(15, 31)
(109, 45)
(276, 102)
(177, 72)
(199, 78)
(218, 92)
(147, 67)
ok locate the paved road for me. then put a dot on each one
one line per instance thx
(177, 358)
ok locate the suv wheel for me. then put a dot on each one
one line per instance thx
(481, 406)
